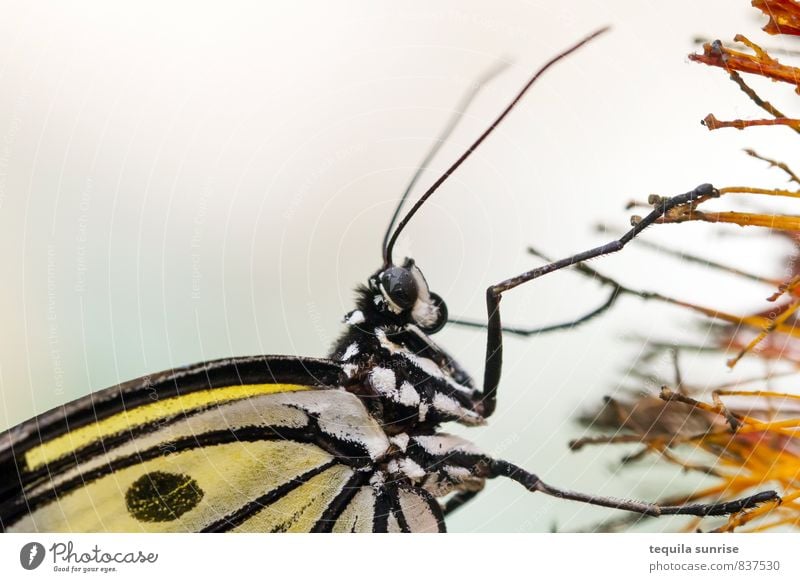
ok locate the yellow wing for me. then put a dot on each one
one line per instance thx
(252, 444)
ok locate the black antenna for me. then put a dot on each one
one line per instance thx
(442, 138)
(483, 136)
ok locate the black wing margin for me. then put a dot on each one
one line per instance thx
(166, 384)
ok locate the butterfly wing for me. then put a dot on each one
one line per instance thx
(246, 444)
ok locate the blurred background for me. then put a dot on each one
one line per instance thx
(186, 181)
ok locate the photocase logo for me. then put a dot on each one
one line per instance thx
(31, 555)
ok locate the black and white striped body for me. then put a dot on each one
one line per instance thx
(411, 387)
(403, 377)
(391, 362)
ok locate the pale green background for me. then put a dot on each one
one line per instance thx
(188, 181)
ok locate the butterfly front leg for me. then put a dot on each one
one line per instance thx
(494, 335)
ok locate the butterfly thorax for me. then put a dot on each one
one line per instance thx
(391, 363)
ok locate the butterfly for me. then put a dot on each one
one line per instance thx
(348, 443)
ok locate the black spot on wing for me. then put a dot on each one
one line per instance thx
(160, 496)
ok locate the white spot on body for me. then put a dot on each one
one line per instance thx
(408, 395)
(458, 474)
(406, 467)
(352, 350)
(411, 469)
(400, 440)
(427, 365)
(443, 443)
(446, 404)
(384, 381)
(450, 406)
(355, 318)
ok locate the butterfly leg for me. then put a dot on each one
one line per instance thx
(457, 501)
(494, 336)
(529, 331)
(617, 290)
(532, 483)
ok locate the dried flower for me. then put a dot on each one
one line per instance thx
(744, 439)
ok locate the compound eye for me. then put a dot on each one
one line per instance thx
(400, 286)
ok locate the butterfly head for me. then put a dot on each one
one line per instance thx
(401, 293)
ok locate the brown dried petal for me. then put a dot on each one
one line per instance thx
(784, 16)
(717, 55)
